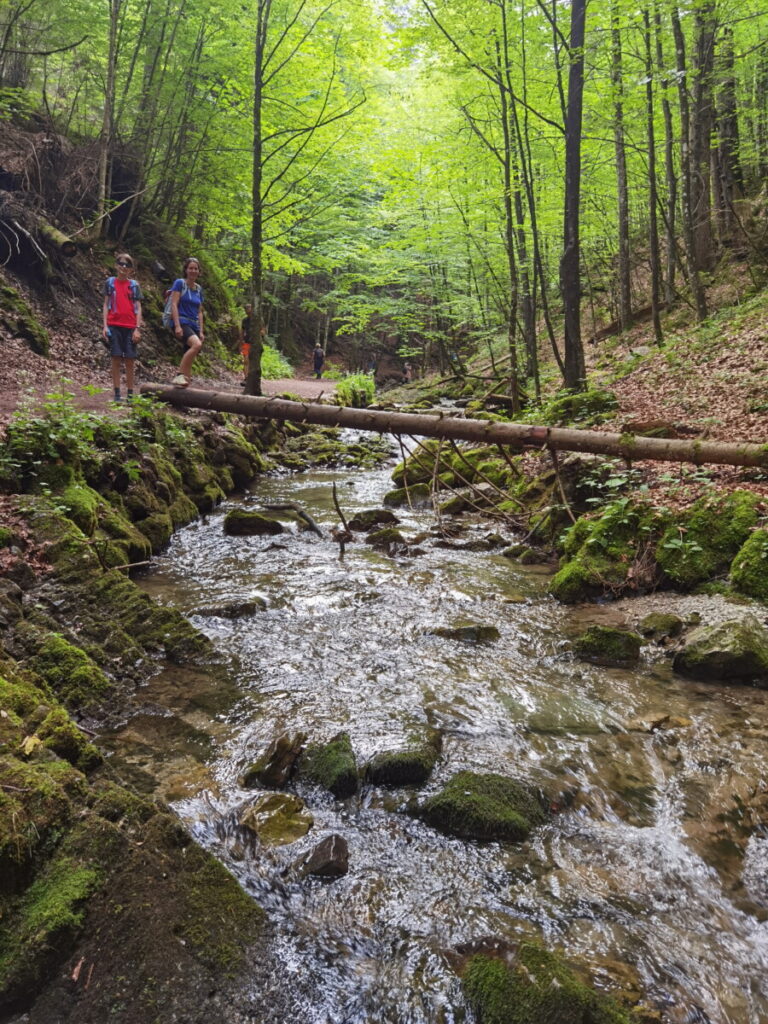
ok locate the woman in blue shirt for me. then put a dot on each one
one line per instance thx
(187, 312)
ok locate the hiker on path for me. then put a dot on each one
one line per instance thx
(318, 358)
(187, 314)
(121, 315)
(245, 338)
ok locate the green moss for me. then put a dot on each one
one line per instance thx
(76, 679)
(583, 407)
(331, 765)
(409, 767)
(419, 495)
(601, 553)
(702, 544)
(82, 506)
(17, 317)
(661, 624)
(157, 528)
(239, 522)
(749, 569)
(484, 806)
(7, 537)
(603, 645)
(385, 537)
(217, 918)
(538, 987)
(60, 734)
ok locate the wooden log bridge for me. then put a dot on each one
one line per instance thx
(630, 447)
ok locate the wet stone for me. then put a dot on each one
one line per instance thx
(329, 859)
(277, 819)
(467, 632)
(241, 523)
(371, 517)
(731, 652)
(276, 765)
(603, 645)
(233, 609)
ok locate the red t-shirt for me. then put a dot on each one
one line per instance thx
(121, 308)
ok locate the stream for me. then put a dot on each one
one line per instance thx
(650, 875)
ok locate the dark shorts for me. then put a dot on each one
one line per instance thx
(187, 332)
(122, 342)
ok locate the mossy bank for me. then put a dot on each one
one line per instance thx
(88, 867)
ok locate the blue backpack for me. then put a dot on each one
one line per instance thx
(168, 307)
(133, 290)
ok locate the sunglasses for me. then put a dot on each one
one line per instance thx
(122, 263)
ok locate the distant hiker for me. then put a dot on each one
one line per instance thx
(408, 373)
(318, 358)
(245, 338)
(187, 314)
(122, 322)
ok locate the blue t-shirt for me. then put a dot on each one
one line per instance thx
(190, 301)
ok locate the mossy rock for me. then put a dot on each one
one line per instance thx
(82, 506)
(157, 528)
(277, 819)
(331, 765)
(730, 652)
(418, 495)
(17, 317)
(703, 543)
(604, 645)
(419, 467)
(467, 632)
(275, 766)
(583, 407)
(534, 986)
(485, 807)
(239, 522)
(372, 517)
(409, 766)
(386, 538)
(72, 675)
(601, 553)
(749, 568)
(60, 734)
(661, 625)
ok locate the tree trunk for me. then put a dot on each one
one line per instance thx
(570, 278)
(105, 140)
(617, 82)
(670, 178)
(686, 167)
(653, 230)
(518, 435)
(702, 123)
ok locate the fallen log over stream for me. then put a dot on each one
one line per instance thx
(450, 426)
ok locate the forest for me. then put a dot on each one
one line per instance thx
(413, 668)
(436, 174)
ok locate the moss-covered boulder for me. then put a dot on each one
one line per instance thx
(370, 518)
(749, 569)
(277, 818)
(416, 495)
(531, 985)
(239, 522)
(486, 806)
(331, 765)
(606, 553)
(386, 538)
(661, 625)
(60, 734)
(72, 675)
(407, 766)
(731, 652)
(17, 317)
(604, 645)
(703, 542)
(583, 407)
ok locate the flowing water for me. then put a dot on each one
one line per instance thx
(654, 874)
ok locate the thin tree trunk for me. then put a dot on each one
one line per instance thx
(617, 82)
(653, 229)
(670, 178)
(105, 140)
(570, 277)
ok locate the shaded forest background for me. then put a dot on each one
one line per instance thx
(433, 179)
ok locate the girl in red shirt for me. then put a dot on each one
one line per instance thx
(122, 321)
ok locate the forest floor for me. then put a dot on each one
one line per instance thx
(707, 381)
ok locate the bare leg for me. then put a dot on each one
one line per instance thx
(129, 373)
(116, 364)
(189, 356)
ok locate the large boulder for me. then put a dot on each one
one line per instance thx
(731, 652)
(240, 523)
(474, 805)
